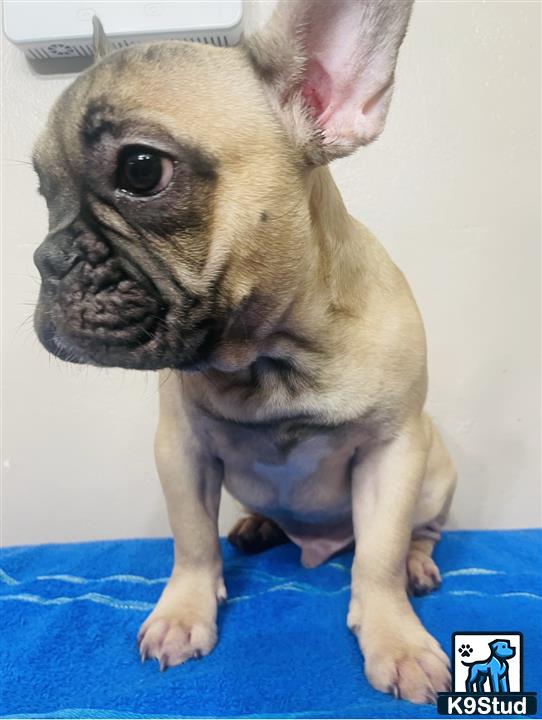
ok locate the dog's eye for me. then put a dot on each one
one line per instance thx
(142, 171)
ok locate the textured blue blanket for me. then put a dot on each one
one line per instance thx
(70, 614)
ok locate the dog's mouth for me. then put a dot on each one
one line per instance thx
(99, 308)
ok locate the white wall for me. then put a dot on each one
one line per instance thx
(451, 189)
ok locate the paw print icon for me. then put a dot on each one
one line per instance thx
(465, 650)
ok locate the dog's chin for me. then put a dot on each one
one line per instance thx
(149, 351)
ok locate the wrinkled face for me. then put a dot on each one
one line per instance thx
(177, 212)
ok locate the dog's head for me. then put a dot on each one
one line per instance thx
(176, 180)
(501, 649)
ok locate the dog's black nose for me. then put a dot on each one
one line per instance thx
(56, 256)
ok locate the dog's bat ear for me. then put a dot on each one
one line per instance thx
(329, 66)
(100, 43)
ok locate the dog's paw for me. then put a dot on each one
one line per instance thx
(423, 575)
(465, 651)
(412, 669)
(256, 533)
(172, 640)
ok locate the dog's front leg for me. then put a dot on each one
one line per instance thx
(400, 655)
(183, 623)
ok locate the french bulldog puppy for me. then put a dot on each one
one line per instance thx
(195, 229)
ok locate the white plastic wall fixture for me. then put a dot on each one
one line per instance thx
(45, 29)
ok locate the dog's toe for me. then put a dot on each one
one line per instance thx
(172, 641)
(423, 575)
(256, 533)
(414, 672)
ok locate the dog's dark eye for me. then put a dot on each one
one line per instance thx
(143, 172)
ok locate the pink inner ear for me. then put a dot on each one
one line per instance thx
(316, 88)
(350, 48)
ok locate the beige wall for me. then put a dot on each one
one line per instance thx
(451, 189)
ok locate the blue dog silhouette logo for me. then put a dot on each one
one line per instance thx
(487, 676)
(494, 668)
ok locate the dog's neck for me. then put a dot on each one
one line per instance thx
(329, 289)
(340, 242)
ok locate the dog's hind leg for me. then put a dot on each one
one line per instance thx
(422, 572)
(431, 511)
(481, 683)
(469, 685)
(256, 533)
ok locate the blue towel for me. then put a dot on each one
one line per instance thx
(70, 614)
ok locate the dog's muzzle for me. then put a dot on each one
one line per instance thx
(98, 307)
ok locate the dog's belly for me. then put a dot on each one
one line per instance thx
(303, 484)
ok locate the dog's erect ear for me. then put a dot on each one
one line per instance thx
(100, 43)
(329, 66)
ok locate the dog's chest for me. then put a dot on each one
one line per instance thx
(296, 473)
